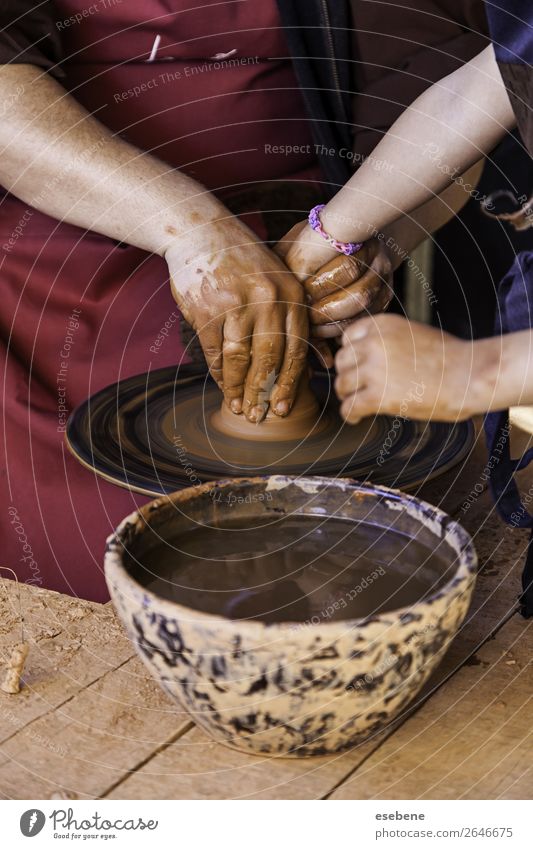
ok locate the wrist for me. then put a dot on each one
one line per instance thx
(392, 251)
(338, 225)
(497, 372)
(206, 236)
(317, 225)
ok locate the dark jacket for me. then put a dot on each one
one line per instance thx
(358, 63)
(512, 31)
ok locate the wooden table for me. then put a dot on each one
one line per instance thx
(91, 723)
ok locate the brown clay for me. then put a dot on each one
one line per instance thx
(302, 420)
(199, 429)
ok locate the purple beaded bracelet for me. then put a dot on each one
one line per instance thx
(347, 248)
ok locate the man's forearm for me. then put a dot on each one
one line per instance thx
(63, 161)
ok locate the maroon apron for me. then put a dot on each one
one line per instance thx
(210, 91)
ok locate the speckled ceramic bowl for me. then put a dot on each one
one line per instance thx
(284, 688)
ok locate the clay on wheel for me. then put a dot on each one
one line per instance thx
(303, 419)
(153, 433)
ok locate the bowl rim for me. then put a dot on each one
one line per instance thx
(115, 569)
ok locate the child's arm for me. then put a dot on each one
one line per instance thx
(347, 286)
(390, 365)
(447, 129)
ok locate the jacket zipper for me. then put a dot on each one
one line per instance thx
(333, 61)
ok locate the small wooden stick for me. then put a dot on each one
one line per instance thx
(15, 666)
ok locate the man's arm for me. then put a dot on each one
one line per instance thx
(59, 158)
(246, 308)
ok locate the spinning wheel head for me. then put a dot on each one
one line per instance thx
(158, 432)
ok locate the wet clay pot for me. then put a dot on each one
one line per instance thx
(292, 689)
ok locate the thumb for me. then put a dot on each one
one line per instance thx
(304, 251)
(284, 245)
(308, 253)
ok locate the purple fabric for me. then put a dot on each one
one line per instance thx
(515, 313)
(511, 30)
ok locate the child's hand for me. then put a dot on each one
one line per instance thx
(390, 365)
(348, 288)
(305, 251)
(339, 288)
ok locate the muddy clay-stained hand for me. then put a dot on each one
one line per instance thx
(390, 365)
(339, 288)
(248, 311)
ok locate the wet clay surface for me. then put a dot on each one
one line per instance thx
(223, 441)
(303, 420)
(291, 569)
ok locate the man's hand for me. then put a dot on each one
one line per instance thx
(390, 365)
(339, 288)
(249, 313)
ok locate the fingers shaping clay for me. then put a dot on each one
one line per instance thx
(304, 419)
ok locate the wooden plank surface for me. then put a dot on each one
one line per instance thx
(89, 711)
(89, 743)
(471, 740)
(484, 741)
(72, 644)
(195, 767)
(92, 723)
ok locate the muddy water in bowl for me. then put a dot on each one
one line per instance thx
(300, 682)
(297, 569)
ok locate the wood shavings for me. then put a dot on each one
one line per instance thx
(72, 646)
(47, 634)
(77, 613)
(14, 669)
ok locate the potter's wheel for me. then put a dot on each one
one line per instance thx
(152, 433)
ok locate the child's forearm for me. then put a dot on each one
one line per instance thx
(445, 131)
(503, 367)
(384, 356)
(410, 230)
